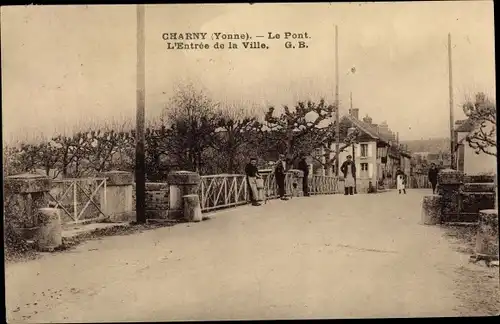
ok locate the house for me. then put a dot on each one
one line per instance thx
(377, 155)
(467, 160)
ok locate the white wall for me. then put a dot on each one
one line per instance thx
(371, 159)
(477, 163)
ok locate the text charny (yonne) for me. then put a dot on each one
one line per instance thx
(221, 41)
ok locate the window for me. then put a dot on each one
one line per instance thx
(364, 150)
(364, 170)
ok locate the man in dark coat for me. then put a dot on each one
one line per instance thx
(433, 176)
(348, 168)
(279, 174)
(252, 173)
(304, 167)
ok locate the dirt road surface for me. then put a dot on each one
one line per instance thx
(318, 257)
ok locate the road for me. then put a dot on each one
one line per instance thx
(318, 257)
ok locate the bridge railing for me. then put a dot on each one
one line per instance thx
(82, 200)
(420, 181)
(229, 190)
(222, 191)
(323, 185)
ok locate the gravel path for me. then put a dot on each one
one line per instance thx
(317, 257)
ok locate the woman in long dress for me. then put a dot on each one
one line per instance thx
(348, 168)
(401, 181)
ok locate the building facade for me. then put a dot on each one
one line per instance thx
(376, 155)
(467, 160)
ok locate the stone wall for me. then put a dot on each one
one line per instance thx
(157, 198)
(464, 196)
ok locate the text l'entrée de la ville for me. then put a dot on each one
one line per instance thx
(235, 41)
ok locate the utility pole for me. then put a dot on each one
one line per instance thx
(140, 165)
(450, 85)
(350, 101)
(337, 108)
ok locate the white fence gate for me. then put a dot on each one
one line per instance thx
(82, 199)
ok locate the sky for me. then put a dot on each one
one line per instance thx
(66, 67)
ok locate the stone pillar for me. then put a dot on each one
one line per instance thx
(24, 194)
(449, 185)
(431, 210)
(49, 235)
(116, 198)
(181, 183)
(487, 234)
(192, 208)
(298, 177)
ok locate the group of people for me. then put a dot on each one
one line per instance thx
(256, 183)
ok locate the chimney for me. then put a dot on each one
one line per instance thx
(367, 119)
(354, 112)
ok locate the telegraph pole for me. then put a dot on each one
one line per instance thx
(140, 165)
(450, 85)
(337, 108)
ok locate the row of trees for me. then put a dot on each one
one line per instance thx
(194, 133)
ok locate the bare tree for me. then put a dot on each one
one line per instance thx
(308, 127)
(482, 113)
(234, 129)
(191, 121)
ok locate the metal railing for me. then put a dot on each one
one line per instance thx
(420, 181)
(222, 190)
(271, 187)
(323, 185)
(229, 190)
(81, 199)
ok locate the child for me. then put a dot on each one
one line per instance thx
(401, 181)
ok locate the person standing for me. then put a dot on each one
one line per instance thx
(433, 176)
(348, 168)
(252, 173)
(304, 167)
(401, 181)
(279, 174)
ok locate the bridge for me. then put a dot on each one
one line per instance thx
(324, 256)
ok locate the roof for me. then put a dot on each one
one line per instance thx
(368, 129)
(374, 132)
(466, 126)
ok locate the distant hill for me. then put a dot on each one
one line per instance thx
(431, 145)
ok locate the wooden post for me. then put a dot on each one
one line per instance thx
(140, 165)
(337, 113)
(450, 86)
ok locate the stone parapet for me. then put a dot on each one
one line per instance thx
(449, 176)
(181, 183)
(117, 198)
(26, 183)
(183, 178)
(118, 178)
(24, 194)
